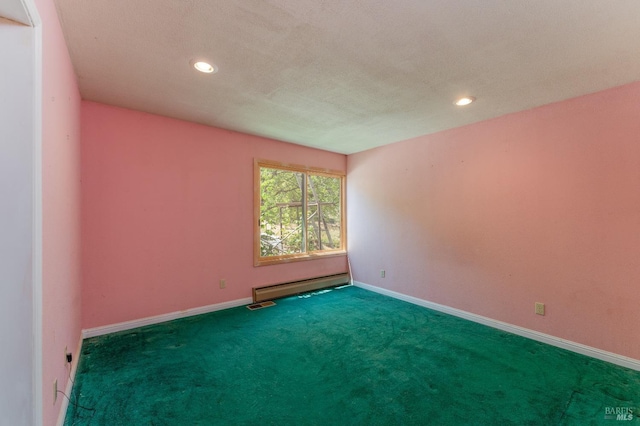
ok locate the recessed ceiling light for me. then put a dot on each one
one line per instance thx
(465, 101)
(205, 67)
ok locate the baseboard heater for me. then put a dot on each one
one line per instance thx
(275, 291)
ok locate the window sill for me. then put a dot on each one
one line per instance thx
(275, 260)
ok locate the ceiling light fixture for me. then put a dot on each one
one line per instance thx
(204, 67)
(465, 101)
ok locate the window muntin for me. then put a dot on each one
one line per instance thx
(290, 228)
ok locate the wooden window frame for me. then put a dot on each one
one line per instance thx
(306, 255)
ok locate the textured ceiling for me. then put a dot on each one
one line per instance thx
(348, 75)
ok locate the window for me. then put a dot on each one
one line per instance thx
(299, 213)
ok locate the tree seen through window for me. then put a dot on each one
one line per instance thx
(300, 212)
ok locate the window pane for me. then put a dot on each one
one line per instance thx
(281, 215)
(324, 213)
(298, 213)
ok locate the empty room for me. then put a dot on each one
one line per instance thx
(320, 212)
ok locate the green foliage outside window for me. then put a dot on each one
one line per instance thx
(288, 225)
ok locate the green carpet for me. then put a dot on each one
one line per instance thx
(341, 357)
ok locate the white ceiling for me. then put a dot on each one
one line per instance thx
(15, 10)
(348, 75)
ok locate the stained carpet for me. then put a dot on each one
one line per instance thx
(342, 357)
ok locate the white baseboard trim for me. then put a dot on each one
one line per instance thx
(592, 352)
(69, 387)
(128, 325)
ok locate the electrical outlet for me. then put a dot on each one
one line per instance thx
(383, 273)
(223, 283)
(55, 391)
(539, 308)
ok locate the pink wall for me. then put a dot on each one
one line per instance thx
(61, 208)
(538, 206)
(168, 212)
